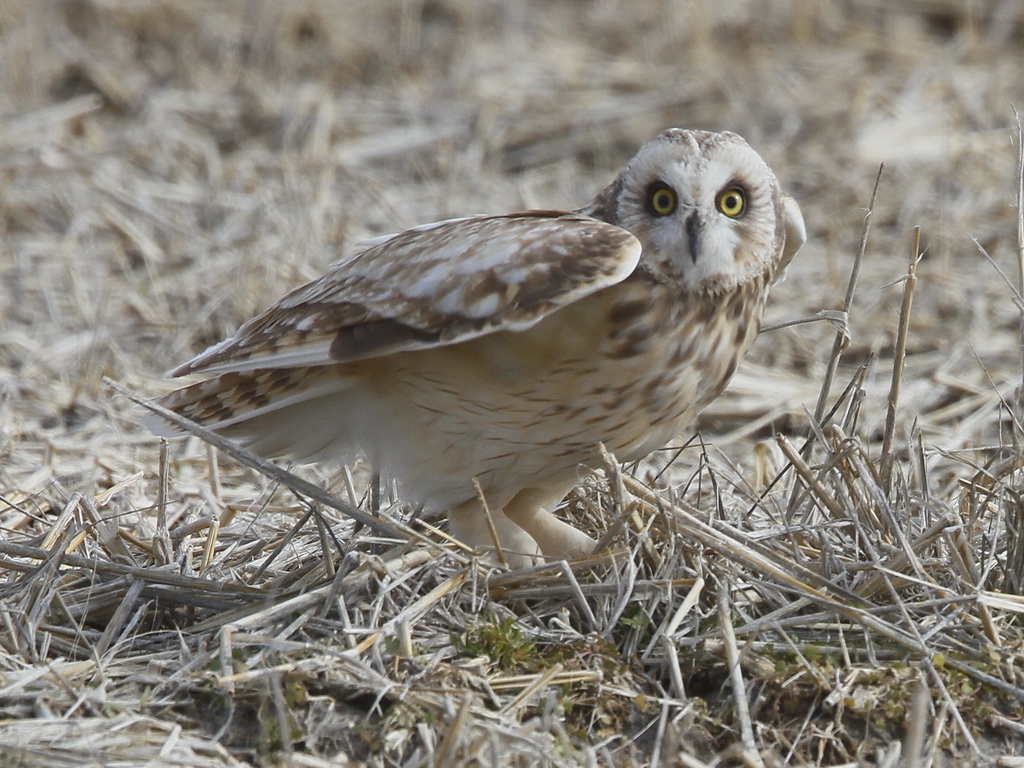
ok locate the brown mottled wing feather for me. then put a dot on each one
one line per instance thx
(430, 286)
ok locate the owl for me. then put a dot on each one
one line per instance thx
(493, 355)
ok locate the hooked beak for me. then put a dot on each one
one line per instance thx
(694, 229)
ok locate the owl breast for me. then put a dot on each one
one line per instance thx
(674, 356)
(629, 367)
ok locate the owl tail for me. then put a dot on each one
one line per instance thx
(299, 412)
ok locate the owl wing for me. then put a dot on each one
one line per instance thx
(430, 286)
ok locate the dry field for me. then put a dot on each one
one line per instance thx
(829, 573)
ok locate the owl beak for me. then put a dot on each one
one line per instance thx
(694, 229)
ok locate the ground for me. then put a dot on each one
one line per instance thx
(812, 579)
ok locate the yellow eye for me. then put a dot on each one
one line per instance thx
(661, 200)
(732, 202)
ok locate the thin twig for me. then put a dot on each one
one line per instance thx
(147, 575)
(899, 357)
(732, 660)
(842, 339)
(1020, 250)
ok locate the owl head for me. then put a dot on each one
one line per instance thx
(707, 209)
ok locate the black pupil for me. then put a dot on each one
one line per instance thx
(732, 201)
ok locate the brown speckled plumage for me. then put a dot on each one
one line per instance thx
(504, 349)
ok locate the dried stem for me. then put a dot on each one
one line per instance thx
(899, 356)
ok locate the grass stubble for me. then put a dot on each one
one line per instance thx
(809, 588)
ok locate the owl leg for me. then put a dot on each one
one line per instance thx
(468, 524)
(557, 539)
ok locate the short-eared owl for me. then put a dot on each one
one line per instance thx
(504, 349)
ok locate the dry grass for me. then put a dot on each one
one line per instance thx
(820, 579)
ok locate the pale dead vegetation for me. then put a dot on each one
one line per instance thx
(169, 168)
